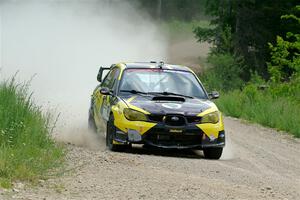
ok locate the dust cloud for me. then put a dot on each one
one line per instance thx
(228, 153)
(62, 44)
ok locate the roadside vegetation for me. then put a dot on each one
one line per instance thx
(27, 152)
(273, 107)
(255, 61)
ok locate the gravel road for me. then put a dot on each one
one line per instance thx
(258, 163)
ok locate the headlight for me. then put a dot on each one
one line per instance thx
(134, 115)
(211, 118)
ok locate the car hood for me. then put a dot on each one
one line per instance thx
(168, 104)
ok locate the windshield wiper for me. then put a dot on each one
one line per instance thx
(156, 93)
(171, 93)
(134, 92)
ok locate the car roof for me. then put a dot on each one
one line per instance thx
(152, 64)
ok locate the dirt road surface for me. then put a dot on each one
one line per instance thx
(258, 163)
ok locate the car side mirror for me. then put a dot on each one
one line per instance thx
(214, 95)
(99, 76)
(105, 91)
(100, 73)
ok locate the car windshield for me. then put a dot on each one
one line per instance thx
(162, 81)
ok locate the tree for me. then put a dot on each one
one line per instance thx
(244, 28)
(285, 54)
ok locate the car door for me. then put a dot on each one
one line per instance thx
(105, 101)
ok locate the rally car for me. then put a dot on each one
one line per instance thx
(158, 105)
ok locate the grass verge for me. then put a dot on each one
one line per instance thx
(27, 152)
(278, 112)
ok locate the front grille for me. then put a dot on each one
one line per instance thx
(171, 139)
(168, 119)
(175, 120)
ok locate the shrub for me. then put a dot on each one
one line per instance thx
(224, 75)
(285, 54)
(263, 107)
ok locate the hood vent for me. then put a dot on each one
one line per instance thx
(168, 98)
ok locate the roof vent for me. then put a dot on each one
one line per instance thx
(168, 98)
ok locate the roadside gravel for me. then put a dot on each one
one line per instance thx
(258, 163)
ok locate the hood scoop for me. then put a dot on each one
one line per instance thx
(168, 98)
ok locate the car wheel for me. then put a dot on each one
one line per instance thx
(110, 133)
(91, 122)
(213, 153)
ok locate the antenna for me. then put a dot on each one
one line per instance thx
(161, 64)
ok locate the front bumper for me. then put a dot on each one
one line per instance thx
(171, 137)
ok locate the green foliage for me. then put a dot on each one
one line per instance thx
(292, 16)
(289, 90)
(275, 103)
(26, 150)
(222, 44)
(244, 27)
(204, 34)
(285, 55)
(264, 107)
(224, 75)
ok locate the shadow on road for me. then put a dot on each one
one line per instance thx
(182, 153)
(154, 151)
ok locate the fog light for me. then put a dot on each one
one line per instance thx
(134, 136)
(212, 137)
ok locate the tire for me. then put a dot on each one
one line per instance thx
(91, 122)
(147, 146)
(110, 134)
(213, 153)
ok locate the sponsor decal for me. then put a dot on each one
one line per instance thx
(175, 131)
(145, 70)
(174, 118)
(172, 105)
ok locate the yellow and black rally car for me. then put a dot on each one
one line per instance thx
(158, 105)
